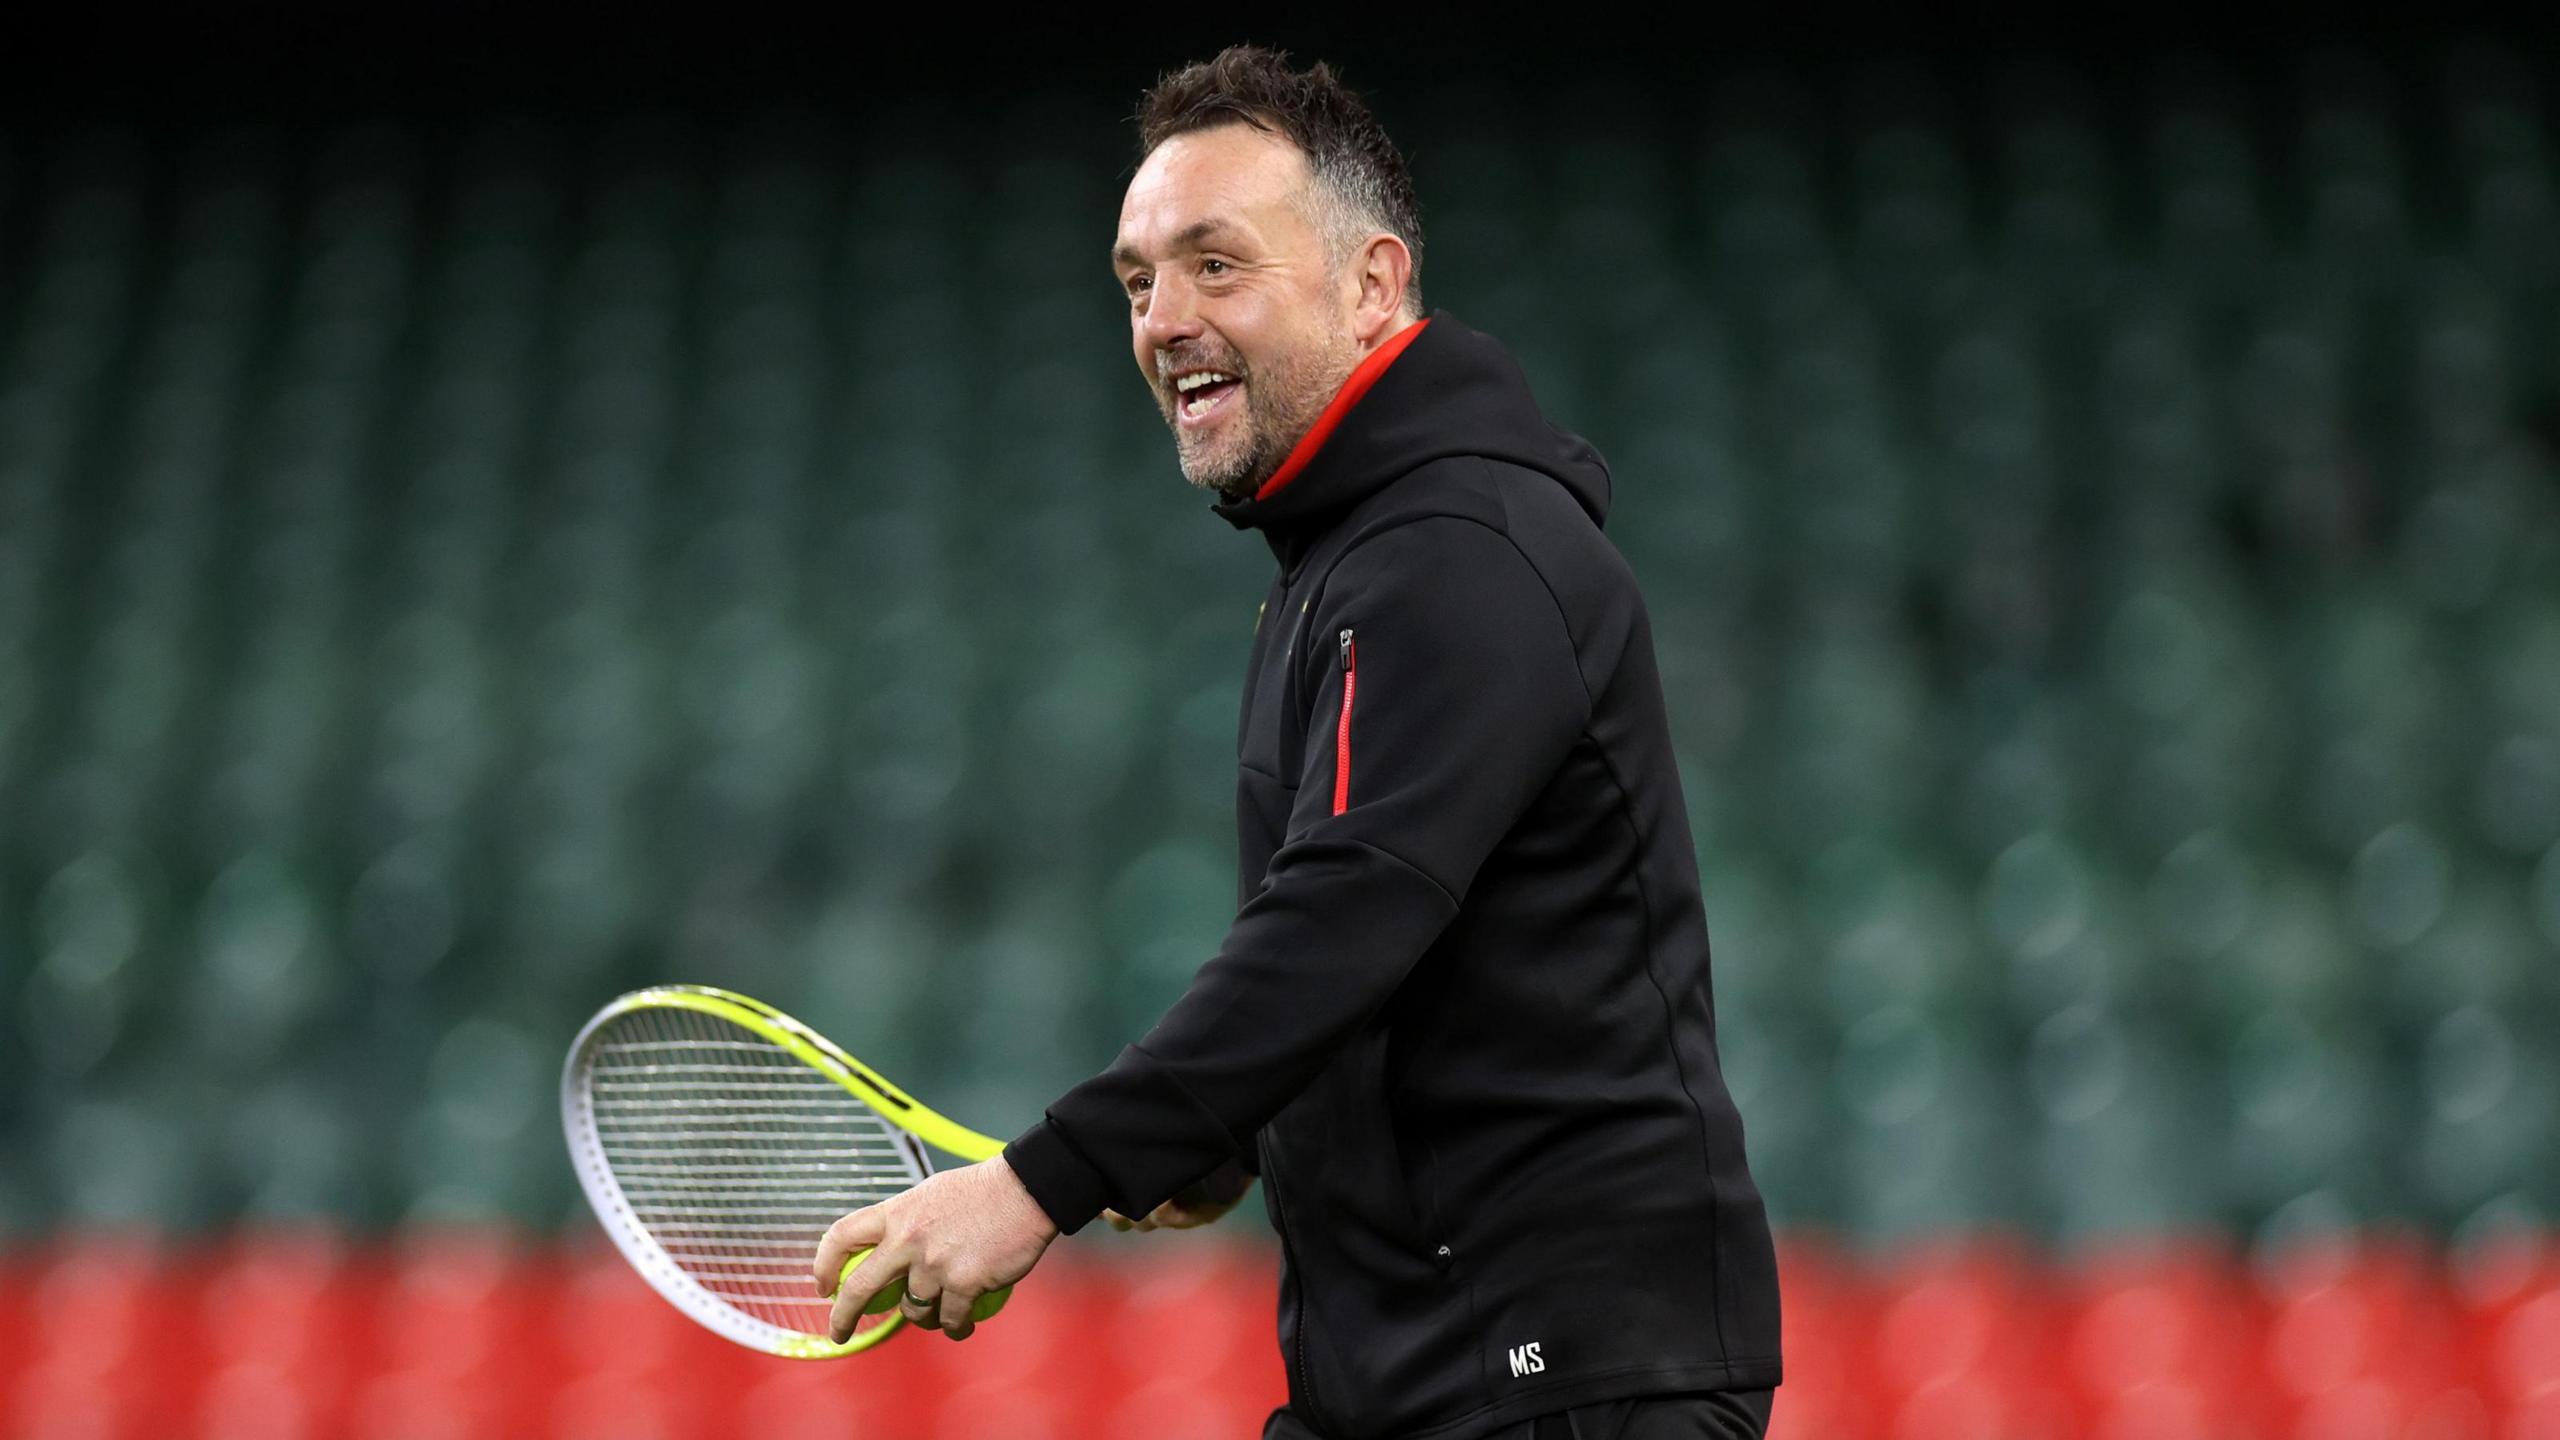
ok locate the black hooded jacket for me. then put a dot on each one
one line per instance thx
(1461, 1024)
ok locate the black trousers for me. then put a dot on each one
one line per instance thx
(1721, 1415)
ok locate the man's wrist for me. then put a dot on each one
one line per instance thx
(1033, 1201)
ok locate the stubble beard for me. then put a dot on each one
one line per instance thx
(1282, 401)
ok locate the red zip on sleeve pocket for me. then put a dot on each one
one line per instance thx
(1342, 731)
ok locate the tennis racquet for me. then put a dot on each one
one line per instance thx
(717, 1138)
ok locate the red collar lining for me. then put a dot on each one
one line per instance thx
(1349, 395)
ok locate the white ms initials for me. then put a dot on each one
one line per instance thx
(1525, 1360)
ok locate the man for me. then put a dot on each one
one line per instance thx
(1461, 1026)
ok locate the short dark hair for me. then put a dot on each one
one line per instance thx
(1348, 151)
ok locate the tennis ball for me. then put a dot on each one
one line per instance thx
(879, 1304)
(887, 1300)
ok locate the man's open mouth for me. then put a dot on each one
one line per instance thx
(1203, 393)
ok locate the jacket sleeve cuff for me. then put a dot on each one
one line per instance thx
(1063, 1182)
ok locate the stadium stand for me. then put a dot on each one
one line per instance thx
(2103, 539)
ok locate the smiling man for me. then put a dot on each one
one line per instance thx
(1461, 1027)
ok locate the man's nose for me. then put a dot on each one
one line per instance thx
(1173, 313)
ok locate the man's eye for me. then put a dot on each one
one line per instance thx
(1214, 267)
(1139, 284)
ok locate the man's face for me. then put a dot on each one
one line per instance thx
(1234, 314)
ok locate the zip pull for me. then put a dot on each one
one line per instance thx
(1342, 731)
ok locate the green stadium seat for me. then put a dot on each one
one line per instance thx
(1164, 914)
(1021, 997)
(2492, 1109)
(92, 938)
(128, 1154)
(2203, 899)
(1766, 1060)
(1911, 222)
(1894, 930)
(1841, 730)
(2516, 798)
(2399, 885)
(2312, 1108)
(295, 1153)
(2212, 222)
(2057, 228)
(481, 1143)
(2060, 922)
(2126, 1149)
(863, 971)
(264, 969)
(2546, 896)
(1764, 967)
(1765, 235)
(2356, 223)
(2484, 949)
(2294, 953)
(1988, 414)
(2493, 91)
(403, 912)
(2514, 219)
(1935, 1145)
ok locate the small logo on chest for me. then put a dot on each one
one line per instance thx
(1525, 1360)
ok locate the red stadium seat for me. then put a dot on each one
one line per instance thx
(2370, 1318)
(2537, 1418)
(617, 1403)
(1968, 1323)
(975, 1408)
(93, 1294)
(57, 1401)
(1828, 1308)
(271, 1328)
(605, 1318)
(459, 1336)
(254, 1400)
(424, 1405)
(448, 1303)
(2160, 1410)
(2526, 1362)
(785, 1401)
(1813, 1414)
(2454, 1413)
(2163, 1334)
(1190, 1336)
(1173, 1407)
(1194, 1317)
(100, 1299)
(17, 1320)
(2164, 1318)
(1977, 1405)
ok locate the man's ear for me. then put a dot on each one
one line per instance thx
(1380, 271)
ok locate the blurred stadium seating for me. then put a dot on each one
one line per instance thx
(2103, 536)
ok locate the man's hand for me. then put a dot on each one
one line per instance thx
(950, 1240)
(1187, 1211)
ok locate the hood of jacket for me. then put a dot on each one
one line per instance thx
(1437, 390)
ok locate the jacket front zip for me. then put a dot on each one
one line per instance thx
(1342, 732)
(1306, 1388)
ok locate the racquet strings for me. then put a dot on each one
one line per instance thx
(734, 1156)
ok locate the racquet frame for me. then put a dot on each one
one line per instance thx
(920, 1126)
